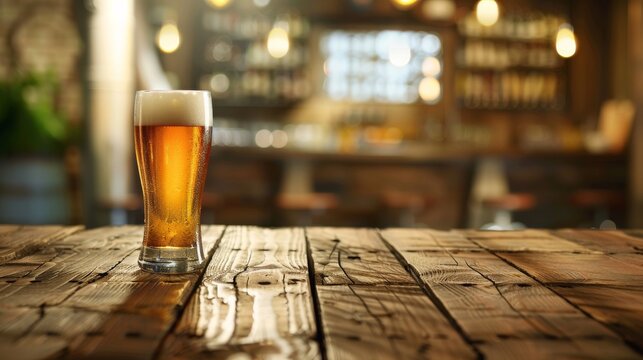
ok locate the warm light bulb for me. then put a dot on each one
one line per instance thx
(168, 38)
(218, 3)
(278, 43)
(487, 12)
(404, 4)
(430, 89)
(565, 41)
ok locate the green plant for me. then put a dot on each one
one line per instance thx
(29, 122)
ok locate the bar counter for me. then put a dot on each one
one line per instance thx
(413, 154)
(324, 293)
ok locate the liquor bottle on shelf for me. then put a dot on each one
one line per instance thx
(512, 64)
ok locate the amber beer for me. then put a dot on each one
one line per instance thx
(172, 135)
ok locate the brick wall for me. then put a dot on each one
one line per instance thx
(42, 35)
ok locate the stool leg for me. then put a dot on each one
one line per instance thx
(407, 218)
(503, 219)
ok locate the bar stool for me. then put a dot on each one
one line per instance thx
(404, 207)
(306, 207)
(503, 207)
(601, 203)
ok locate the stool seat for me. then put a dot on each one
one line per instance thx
(405, 200)
(401, 208)
(602, 203)
(595, 198)
(307, 201)
(511, 202)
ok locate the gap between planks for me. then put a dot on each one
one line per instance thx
(321, 339)
(431, 295)
(370, 306)
(188, 299)
(254, 300)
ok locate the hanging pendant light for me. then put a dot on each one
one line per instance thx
(218, 4)
(278, 42)
(168, 38)
(404, 4)
(565, 41)
(487, 12)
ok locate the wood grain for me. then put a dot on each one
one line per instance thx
(399, 293)
(604, 241)
(525, 241)
(353, 256)
(578, 269)
(18, 241)
(254, 300)
(608, 287)
(386, 322)
(504, 312)
(370, 306)
(83, 295)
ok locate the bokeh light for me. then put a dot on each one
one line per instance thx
(279, 139)
(399, 54)
(219, 83)
(431, 66)
(168, 38)
(404, 4)
(263, 138)
(487, 12)
(278, 43)
(430, 90)
(218, 4)
(261, 3)
(565, 41)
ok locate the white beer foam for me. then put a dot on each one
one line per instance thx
(181, 107)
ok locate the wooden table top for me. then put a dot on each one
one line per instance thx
(324, 293)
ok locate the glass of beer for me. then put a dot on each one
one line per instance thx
(172, 134)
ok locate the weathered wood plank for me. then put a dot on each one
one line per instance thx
(603, 241)
(18, 241)
(524, 241)
(608, 287)
(141, 307)
(435, 240)
(565, 269)
(371, 308)
(86, 295)
(504, 312)
(509, 234)
(33, 347)
(386, 322)
(53, 279)
(254, 299)
(353, 256)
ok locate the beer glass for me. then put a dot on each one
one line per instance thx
(172, 135)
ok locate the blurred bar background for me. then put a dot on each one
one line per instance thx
(439, 113)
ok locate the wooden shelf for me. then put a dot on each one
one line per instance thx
(538, 68)
(501, 38)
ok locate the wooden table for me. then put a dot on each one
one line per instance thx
(324, 293)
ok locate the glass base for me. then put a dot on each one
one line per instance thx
(171, 260)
